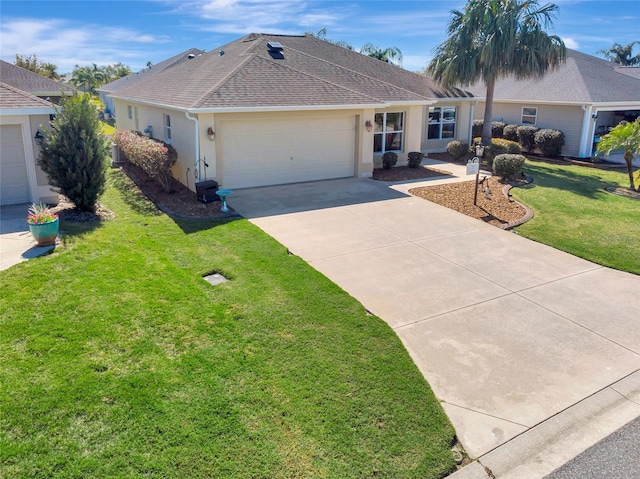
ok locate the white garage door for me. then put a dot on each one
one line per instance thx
(275, 151)
(14, 185)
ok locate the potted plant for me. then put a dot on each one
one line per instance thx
(43, 224)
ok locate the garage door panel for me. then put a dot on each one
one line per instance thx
(278, 151)
(14, 184)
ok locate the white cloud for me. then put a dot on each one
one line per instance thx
(67, 44)
(571, 43)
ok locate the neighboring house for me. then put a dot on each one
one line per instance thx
(274, 109)
(108, 89)
(21, 180)
(32, 83)
(584, 98)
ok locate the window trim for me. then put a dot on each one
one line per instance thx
(442, 121)
(528, 115)
(380, 133)
(129, 112)
(167, 128)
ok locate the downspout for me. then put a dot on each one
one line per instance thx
(586, 138)
(196, 172)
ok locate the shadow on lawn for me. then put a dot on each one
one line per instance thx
(590, 186)
(133, 196)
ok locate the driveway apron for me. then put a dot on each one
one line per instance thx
(508, 332)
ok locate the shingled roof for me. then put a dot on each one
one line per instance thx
(309, 72)
(133, 78)
(31, 82)
(12, 98)
(582, 79)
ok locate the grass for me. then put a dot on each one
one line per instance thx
(119, 360)
(574, 213)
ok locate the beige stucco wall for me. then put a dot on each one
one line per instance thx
(566, 118)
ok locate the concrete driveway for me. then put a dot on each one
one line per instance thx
(512, 335)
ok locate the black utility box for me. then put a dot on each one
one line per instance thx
(206, 191)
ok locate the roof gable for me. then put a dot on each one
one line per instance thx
(582, 79)
(308, 72)
(31, 82)
(133, 78)
(12, 98)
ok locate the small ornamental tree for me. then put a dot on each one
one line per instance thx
(625, 137)
(154, 157)
(73, 153)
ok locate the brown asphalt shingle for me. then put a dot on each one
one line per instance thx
(311, 72)
(29, 81)
(14, 98)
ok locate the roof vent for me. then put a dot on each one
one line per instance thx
(190, 56)
(275, 50)
(221, 52)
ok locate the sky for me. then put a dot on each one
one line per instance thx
(69, 33)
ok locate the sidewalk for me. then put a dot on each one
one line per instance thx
(16, 242)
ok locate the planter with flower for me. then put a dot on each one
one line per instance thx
(43, 224)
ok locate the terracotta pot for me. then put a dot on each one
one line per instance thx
(45, 233)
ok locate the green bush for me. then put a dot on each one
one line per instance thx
(457, 149)
(510, 132)
(508, 165)
(414, 158)
(74, 152)
(498, 146)
(526, 137)
(497, 129)
(389, 159)
(154, 156)
(476, 128)
(549, 141)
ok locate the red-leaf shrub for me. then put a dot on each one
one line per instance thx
(155, 157)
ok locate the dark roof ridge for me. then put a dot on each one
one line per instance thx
(224, 80)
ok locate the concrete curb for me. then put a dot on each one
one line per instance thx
(555, 441)
(528, 212)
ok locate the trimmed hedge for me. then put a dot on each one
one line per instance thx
(476, 128)
(508, 165)
(498, 146)
(389, 159)
(510, 132)
(457, 148)
(155, 157)
(497, 129)
(414, 158)
(526, 137)
(549, 141)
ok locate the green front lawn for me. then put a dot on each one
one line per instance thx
(119, 360)
(574, 213)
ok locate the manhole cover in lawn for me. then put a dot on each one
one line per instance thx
(215, 278)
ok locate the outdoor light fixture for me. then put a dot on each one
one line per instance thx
(39, 135)
(368, 125)
(211, 134)
(594, 116)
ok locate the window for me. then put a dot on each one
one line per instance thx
(529, 115)
(167, 128)
(129, 112)
(389, 132)
(442, 122)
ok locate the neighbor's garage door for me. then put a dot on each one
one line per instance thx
(14, 186)
(274, 151)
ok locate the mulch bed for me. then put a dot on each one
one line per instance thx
(497, 208)
(179, 202)
(402, 173)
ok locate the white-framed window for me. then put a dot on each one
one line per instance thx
(442, 123)
(389, 132)
(529, 115)
(167, 128)
(129, 112)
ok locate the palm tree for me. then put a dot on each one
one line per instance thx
(386, 55)
(626, 137)
(50, 71)
(621, 54)
(492, 39)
